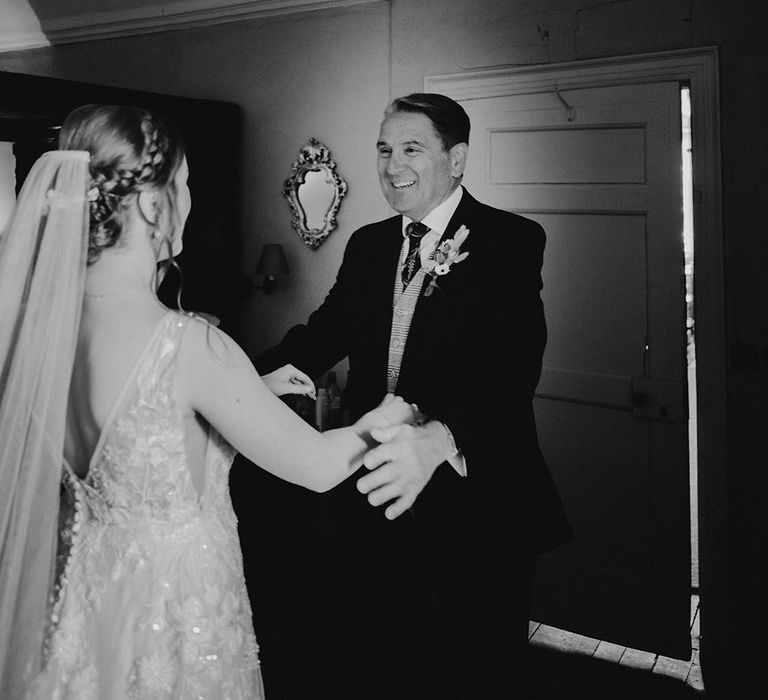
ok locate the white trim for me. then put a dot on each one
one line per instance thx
(698, 68)
(629, 70)
(159, 17)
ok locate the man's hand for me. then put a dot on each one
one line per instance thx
(289, 380)
(402, 464)
(392, 411)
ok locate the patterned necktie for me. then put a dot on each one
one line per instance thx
(415, 231)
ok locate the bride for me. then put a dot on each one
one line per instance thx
(120, 567)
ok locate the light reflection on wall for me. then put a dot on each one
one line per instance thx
(20, 27)
(7, 181)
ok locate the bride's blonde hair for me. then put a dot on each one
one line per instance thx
(131, 151)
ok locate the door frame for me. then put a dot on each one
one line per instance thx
(699, 69)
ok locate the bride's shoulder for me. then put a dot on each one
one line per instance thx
(209, 362)
(203, 342)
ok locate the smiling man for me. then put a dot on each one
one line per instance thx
(435, 544)
(418, 168)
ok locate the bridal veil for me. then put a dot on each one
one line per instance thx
(43, 256)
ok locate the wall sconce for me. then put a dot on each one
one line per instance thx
(272, 264)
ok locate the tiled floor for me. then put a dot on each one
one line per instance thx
(568, 666)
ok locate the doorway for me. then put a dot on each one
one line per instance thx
(690, 324)
(620, 105)
(553, 646)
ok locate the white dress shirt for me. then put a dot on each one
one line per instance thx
(437, 220)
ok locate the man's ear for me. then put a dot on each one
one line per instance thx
(147, 202)
(458, 158)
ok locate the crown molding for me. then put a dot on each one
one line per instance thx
(156, 17)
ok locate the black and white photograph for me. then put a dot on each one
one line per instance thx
(383, 350)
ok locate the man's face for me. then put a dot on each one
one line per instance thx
(415, 171)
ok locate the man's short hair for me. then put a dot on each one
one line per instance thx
(447, 116)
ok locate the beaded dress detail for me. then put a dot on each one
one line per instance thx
(150, 599)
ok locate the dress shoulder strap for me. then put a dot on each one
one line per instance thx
(160, 357)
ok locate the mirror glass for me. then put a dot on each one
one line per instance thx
(316, 195)
(314, 192)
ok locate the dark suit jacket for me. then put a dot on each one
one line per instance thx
(472, 360)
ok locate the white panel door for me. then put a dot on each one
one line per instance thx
(602, 174)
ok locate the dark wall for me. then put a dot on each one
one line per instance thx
(744, 105)
(32, 107)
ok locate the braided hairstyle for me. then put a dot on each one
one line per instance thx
(131, 151)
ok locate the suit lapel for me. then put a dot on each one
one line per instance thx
(386, 257)
(377, 305)
(431, 312)
(462, 215)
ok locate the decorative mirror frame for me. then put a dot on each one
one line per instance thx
(313, 156)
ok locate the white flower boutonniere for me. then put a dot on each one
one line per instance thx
(446, 254)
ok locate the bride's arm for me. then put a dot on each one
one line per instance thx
(216, 379)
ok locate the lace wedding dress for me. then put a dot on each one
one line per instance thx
(150, 600)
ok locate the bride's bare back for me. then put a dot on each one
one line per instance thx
(111, 339)
(114, 334)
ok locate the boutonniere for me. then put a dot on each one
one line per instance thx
(446, 254)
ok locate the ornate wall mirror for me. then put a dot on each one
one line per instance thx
(314, 191)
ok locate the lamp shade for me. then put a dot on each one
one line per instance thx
(272, 262)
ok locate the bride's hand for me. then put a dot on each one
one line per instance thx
(289, 380)
(392, 410)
